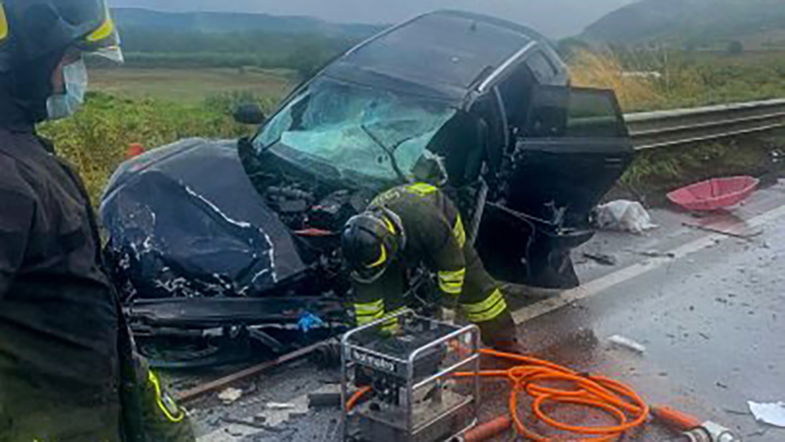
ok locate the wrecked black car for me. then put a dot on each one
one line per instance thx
(242, 237)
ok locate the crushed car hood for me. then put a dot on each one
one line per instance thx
(185, 221)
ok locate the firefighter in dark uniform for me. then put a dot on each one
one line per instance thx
(412, 225)
(68, 370)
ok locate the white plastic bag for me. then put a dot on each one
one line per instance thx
(623, 215)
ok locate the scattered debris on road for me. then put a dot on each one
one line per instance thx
(230, 395)
(276, 414)
(279, 406)
(627, 343)
(625, 216)
(745, 236)
(601, 258)
(654, 253)
(772, 413)
(249, 423)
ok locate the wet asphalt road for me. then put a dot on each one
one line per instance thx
(712, 322)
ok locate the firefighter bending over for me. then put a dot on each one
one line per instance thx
(412, 225)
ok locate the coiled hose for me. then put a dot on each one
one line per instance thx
(532, 375)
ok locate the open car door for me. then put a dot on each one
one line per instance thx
(574, 148)
(571, 151)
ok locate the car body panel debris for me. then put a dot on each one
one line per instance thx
(772, 413)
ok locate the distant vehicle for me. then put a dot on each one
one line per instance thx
(207, 234)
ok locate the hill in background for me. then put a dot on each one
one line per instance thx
(228, 22)
(693, 24)
(218, 39)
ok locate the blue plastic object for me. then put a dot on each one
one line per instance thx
(309, 321)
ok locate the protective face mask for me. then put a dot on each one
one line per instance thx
(75, 79)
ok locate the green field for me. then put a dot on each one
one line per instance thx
(191, 85)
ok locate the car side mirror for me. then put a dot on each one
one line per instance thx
(249, 114)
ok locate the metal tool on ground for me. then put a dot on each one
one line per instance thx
(405, 367)
(693, 430)
(200, 390)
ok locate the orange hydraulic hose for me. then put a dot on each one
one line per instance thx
(675, 419)
(356, 397)
(532, 376)
(488, 429)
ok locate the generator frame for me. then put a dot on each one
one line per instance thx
(470, 363)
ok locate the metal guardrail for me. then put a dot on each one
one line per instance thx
(684, 126)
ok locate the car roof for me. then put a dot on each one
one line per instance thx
(445, 52)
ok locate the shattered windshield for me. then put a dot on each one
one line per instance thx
(354, 132)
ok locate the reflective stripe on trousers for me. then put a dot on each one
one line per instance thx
(366, 313)
(486, 310)
(452, 282)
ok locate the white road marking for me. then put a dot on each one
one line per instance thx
(604, 283)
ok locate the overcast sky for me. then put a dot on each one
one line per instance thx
(555, 18)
